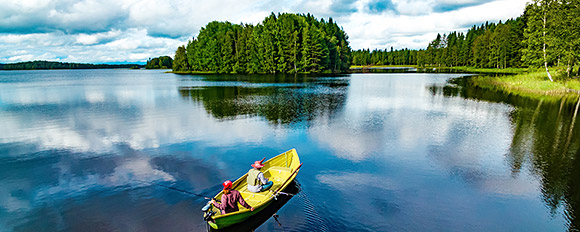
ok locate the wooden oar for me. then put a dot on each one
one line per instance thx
(278, 190)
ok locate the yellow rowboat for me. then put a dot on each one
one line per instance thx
(281, 169)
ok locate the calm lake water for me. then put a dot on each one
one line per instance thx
(86, 150)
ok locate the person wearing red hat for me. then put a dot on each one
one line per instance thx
(256, 180)
(230, 200)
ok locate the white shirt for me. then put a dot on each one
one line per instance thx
(258, 188)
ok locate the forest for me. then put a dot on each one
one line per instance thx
(41, 64)
(489, 45)
(162, 62)
(384, 57)
(283, 43)
(546, 35)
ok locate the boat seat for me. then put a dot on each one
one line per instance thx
(255, 198)
(279, 169)
(278, 174)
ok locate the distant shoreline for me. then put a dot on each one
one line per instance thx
(53, 65)
(518, 81)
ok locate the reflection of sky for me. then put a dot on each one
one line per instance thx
(395, 123)
(95, 117)
(398, 111)
(395, 116)
(84, 147)
(83, 133)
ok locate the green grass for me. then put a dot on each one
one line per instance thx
(533, 84)
(465, 69)
(190, 72)
(383, 66)
(488, 70)
(525, 82)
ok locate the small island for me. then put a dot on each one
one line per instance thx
(283, 43)
(162, 62)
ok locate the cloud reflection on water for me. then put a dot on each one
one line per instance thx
(434, 155)
(375, 119)
(82, 189)
(98, 131)
(463, 138)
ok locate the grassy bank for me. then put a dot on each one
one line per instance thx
(189, 72)
(522, 81)
(442, 69)
(533, 84)
(382, 66)
(486, 70)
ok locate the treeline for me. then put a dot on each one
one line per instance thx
(546, 35)
(40, 64)
(487, 46)
(283, 43)
(552, 35)
(162, 62)
(384, 57)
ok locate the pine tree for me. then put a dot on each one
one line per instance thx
(191, 53)
(277, 45)
(180, 63)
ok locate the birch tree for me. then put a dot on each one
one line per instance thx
(539, 33)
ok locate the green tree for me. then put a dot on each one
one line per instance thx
(165, 62)
(180, 63)
(283, 43)
(539, 34)
(567, 26)
(152, 63)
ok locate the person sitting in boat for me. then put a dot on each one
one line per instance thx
(230, 200)
(256, 180)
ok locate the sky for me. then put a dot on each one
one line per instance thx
(132, 31)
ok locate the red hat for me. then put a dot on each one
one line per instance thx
(227, 184)
(258, 164)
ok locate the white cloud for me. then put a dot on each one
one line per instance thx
(90, 39)
(87, 39)
(132, 45)
(416, 30)
(131, 30)
(415, 7)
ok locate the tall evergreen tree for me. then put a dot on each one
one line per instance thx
(283, 43)
(180, 63)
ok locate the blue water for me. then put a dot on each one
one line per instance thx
(84, 150)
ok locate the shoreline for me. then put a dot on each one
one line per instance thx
(532, 84)
(518, 81)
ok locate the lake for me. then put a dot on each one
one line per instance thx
(88, 150)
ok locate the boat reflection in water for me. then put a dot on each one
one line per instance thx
(267, 213)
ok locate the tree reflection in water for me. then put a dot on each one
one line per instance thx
(545, 138)
(280, 101)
